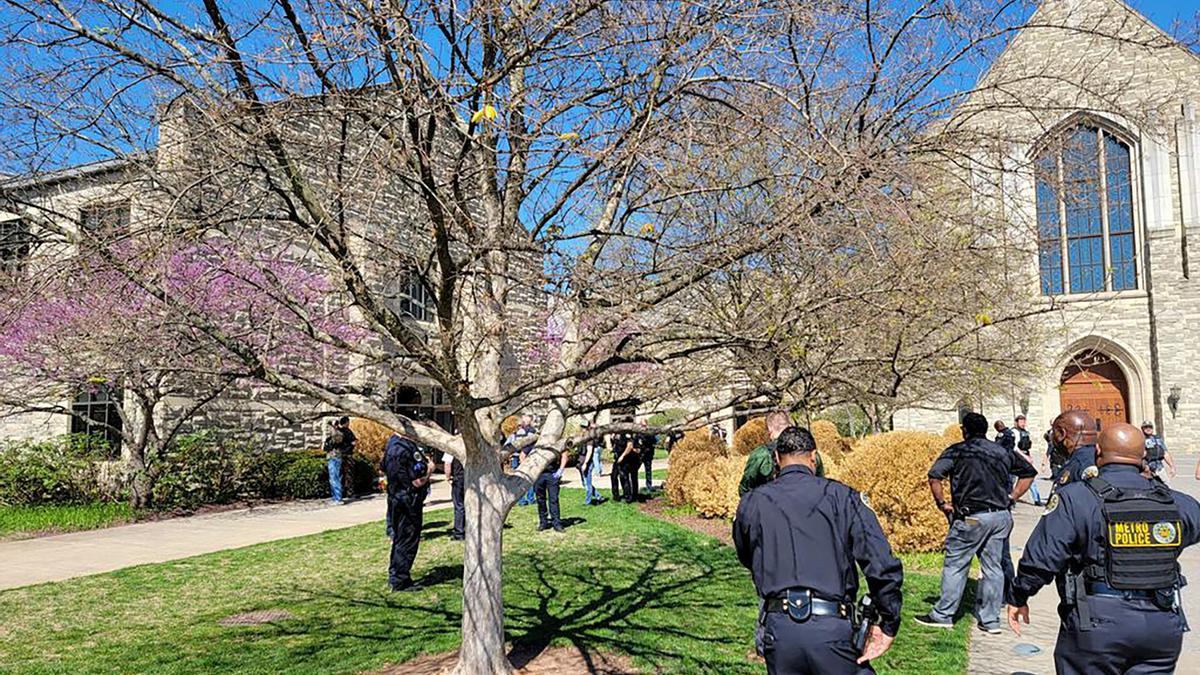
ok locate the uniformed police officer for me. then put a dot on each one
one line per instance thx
(457, 475)
(1074, 434)
(407, 470)
(1111, 543)
(807, 598)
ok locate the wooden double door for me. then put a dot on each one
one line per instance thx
(1093, 383)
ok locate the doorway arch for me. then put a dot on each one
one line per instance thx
(1095, 383)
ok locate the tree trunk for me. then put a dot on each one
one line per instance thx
(488, 501)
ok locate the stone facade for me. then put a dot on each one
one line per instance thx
(223, 173)
(1099, 63)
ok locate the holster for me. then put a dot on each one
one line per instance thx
(1076, 594)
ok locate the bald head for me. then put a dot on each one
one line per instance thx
(1121, 444)
(777, 421)
(1073, 429)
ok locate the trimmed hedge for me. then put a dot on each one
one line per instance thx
(749, 436)
(890, 469)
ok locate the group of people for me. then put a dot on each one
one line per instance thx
(1109, 539)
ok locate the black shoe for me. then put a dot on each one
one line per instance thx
(927, 620)
(457, 537)
(558, 528)
(543, 526)
(410, 587)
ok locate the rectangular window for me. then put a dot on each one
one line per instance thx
(16, 243)
(415, 299)
(1049, 227)
(105, 220)
(1120, 215)
(96, 414)
(1081, 199)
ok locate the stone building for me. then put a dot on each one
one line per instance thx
(212, 154)
(1094, 164)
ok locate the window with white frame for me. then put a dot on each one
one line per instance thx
(1085, 213)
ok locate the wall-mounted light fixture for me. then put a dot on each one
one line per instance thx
(1173, 401)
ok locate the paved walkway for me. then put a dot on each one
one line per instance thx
(45, 559)
(1033, 652)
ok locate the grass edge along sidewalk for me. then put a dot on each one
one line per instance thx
(28, 521)
(616, 581)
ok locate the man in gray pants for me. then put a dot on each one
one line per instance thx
(980, 520)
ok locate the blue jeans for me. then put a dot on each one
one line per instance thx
(335, 478)
(984, 535)
(589, 475)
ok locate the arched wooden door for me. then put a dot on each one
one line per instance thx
(1092, 382)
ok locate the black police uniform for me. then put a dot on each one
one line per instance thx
(1079, 461)
(403, 462)
(618, 446)
(628, 469)
(801, 535)
(458, 495)
(1111, 543)
(646, 443)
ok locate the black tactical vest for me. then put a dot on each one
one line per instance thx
(1155, 452)
(1143, 535)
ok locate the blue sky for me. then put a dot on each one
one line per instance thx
(1166, 12)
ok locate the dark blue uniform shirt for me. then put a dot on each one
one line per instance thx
(1071, 534)
(1072, 470)
(979, 472)
(401, 458)
(801, 531)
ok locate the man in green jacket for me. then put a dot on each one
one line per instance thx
(760, 464)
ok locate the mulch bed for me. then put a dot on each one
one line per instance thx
(720, 529)
(550, 661)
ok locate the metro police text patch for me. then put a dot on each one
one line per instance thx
(1163, 534)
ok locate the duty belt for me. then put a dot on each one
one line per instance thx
(1100, 588)
(820, 607)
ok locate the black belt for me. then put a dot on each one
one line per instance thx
(820, 607)
(1101, 588)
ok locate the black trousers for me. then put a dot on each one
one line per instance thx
(545, 491)
(615, 475)
(629, 479)
(408, 514)
(823, 645)
(648, 465)
(1131, 637)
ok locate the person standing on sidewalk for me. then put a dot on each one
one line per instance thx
(980, 520)
(334, 441)
(1111, 544)
(1156, 451)
(1025, 447)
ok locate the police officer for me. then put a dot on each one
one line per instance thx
(1111, 543)
(980, 521)
(646, 443)
(807, 600)
(456, 474)
(407, 470)
(618, 442)
(1074, 435)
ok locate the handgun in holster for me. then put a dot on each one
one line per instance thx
(865, 616)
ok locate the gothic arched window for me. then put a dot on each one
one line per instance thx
(1085, 214)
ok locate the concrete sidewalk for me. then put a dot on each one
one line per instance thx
(1033, 652)
(59, 557)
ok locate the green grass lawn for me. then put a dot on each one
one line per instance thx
(22, 520)
(659, 475)
(616, 581)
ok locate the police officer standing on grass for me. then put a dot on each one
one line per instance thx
(407, 470)
(801, 536)
(1111, 542)
(980, 520)
(456, 474)
(1074, 436)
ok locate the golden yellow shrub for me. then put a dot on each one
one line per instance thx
(712, 486)
(372, 438)
(509, 426)
(750, 435)
(953, 434)
(696, 447)
(830, 443)
(891, 470)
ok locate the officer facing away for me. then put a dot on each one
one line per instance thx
(980, 521)
(407, 470)
(1074, 434)
(800, 536)
(1111, 542)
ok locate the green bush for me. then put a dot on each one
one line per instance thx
(306, 477)
(196, 470)
(63, 470)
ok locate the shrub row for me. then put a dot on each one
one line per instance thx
(196, 470)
